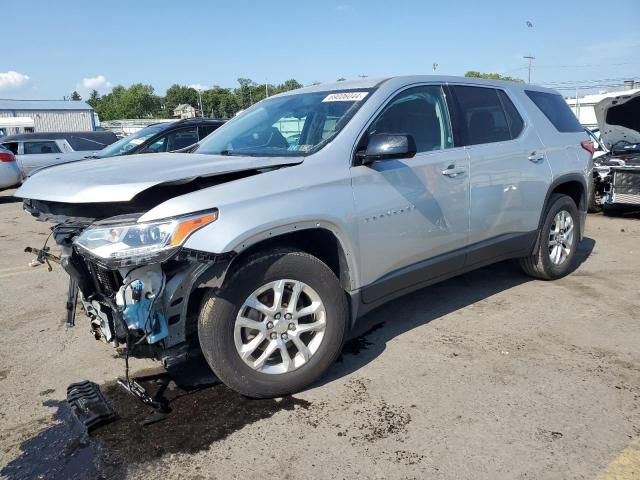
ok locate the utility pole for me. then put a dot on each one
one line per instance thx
(531, 58)
(266, 87)
(200, 102)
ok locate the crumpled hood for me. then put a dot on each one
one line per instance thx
(619, 119)
(119, 179)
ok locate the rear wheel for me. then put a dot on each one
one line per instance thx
(276, 325)
(557, 241)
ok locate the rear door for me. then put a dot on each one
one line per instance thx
(510, 174)
(37, 154)
(173, 140)
(412, 212)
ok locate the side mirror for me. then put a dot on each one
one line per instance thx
(387, 146)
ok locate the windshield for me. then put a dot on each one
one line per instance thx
(292, 125)
(125, 144)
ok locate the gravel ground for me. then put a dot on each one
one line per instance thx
(487, 376)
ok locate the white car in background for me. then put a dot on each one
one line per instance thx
(38, 150)
(9, 172)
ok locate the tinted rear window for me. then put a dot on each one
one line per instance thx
(556, 110)
(479, 116)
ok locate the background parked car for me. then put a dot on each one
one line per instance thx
(9, 172)
(41, 152)
(85, 141)
(162, 137)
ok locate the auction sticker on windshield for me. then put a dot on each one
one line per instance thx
(345, 97)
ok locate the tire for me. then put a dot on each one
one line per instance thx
(593, 206)
(219, 333)
(541, 265)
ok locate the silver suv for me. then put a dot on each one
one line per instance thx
(311, 208)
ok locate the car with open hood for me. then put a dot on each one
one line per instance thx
(616, 173)
(262, 248)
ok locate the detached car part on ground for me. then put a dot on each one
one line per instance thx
(264, 246)
(616, 174)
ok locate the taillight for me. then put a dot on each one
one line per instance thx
(588, 146)
(7, 157)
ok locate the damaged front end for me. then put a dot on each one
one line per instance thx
(616, 180)
(135, 281)
(616, 174)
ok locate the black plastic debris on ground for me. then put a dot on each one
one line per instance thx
(88, 405)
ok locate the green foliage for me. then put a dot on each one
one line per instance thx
(491, 76)
(75, 96)
(139, 101)
(179, 94)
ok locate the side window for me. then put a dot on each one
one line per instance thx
(206, 130)
(13, 146)
(516, 124)
(479, 116)
(556, 110)
(420, 112)
(36, 148)
(174, 141)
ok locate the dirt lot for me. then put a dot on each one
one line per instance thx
(487, 376)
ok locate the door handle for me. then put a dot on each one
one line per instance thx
(453, 171)
(536, 157)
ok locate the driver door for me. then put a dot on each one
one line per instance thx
(411, 213)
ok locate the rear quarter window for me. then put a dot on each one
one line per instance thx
(556, 110)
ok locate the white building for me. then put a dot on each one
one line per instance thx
(24, 116)
(184, 110)
(583, 106)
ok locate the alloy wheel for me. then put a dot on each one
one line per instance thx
(280, 326)
(561, 237)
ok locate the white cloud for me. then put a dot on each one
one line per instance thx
(13, 81)
(198, 86)
(99, 83)
(343, 7)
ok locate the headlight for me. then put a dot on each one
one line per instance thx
(135, 243)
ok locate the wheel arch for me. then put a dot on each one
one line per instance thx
(573, 185)
(319, 240)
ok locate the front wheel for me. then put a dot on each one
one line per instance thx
(557, 241)
(276, 325)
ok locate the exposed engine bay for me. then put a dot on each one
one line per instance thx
(135, 282)
(616, 173)
(142, 306)
(616, 179)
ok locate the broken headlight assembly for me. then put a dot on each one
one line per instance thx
(131, 244)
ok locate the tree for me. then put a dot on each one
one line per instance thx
(180, 94)
(491, 76)
(94, 99)
(341, 79)
(75, 96)
(137, 101)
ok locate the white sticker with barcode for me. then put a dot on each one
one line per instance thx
(345, 97)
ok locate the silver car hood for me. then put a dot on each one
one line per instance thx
(119, 179)
(618, 119)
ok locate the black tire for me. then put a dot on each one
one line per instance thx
(219, 310)
(593, 207)
(539, 264)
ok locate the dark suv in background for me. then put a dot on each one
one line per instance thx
(162, 137)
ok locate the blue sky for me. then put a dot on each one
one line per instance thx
(50, 48)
